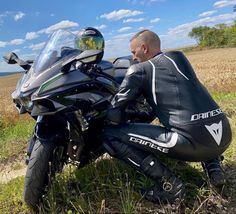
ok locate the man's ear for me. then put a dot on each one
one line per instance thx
(145, 48)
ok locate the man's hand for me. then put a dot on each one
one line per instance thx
(115, 116)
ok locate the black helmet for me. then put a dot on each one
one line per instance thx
(89, 38)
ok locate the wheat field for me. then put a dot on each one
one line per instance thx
(215, 68)
(8, 113)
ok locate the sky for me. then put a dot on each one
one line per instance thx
(25, 25)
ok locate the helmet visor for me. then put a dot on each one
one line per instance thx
(90, 43)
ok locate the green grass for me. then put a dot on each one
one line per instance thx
(110, 186)
(91, 189)
(11, 197)
(13, 138)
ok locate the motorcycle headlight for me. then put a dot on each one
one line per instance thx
(27, 103)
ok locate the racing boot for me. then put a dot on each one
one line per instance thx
(214, 172)
(167, 188)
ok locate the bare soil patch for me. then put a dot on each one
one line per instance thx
(13, 169)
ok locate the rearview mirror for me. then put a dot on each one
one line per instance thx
(11, 58)
(123, 62)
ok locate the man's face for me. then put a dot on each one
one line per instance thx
(138, 51)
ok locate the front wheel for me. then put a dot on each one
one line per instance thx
(38, 172)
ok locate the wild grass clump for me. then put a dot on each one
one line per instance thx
(110, 186)
(11, 197)
(103, 186)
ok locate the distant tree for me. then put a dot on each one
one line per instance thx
(234, 8)
(230, 35)
(221, 35)
(214, 38)
(221, 26)
(199, 33)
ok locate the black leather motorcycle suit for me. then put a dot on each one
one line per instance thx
(194, 127)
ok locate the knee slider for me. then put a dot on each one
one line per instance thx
(116, 148)
(108, 147)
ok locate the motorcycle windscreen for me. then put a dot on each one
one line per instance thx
(54, 50)
(59, 48)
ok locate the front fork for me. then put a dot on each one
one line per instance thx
(30, 147)
(48, 129)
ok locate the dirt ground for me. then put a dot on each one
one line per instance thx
(12, 170)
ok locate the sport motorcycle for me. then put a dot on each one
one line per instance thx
(68, 93)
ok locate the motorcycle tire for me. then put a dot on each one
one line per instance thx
(38, 173)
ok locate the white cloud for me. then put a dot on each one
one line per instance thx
(208, 21)
(3, 15)
(133, 20)
(123, 36)
(147, 27)
(19, 15)
(179, 34)
(100, 27)
(37, 46)
(2, 44)
(207, 13)
(17, 41)
(118, 46)
(60, 25)
(31, 35)
(155, 20)
(225, 3)
(120, 14)
(174, 38)
(123, 29)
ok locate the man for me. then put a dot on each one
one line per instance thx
(194, 127)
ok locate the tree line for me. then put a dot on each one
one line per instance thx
(220, 35)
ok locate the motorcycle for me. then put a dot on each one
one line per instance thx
(68, 93)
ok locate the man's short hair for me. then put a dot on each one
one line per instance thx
(147, 36)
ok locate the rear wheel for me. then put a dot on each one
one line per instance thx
(38, 172)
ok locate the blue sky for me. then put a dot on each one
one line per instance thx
(26, 24)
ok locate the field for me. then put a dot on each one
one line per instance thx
(109, 186)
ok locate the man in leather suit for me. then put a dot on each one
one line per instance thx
(194, 128)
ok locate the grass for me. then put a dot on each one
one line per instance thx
(13, 139)
(11, 197)
(110, 186)
(102, 186)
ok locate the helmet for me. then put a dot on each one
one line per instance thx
(90, 38)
